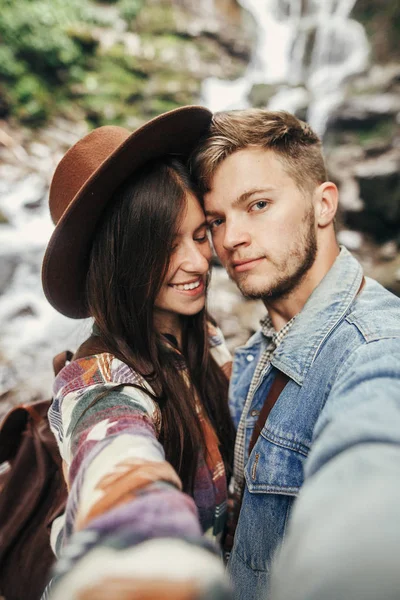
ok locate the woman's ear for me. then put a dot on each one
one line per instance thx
(326, 203)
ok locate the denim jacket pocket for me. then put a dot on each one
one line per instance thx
(275, 466)
(274, 475)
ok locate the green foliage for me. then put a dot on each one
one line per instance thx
(40, 41)
(36, 32)
(52, 61)
(129, 9)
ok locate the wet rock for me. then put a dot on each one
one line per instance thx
(379, 183)
(24, 311)
(261, 93)
(388, 251)
(8, 264)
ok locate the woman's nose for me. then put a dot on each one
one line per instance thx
(197, 258)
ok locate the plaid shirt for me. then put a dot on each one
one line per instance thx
(274, 338)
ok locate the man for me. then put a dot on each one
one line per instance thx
(332, 332)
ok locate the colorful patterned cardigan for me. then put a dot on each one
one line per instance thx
(126, 513)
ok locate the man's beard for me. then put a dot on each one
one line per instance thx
(305, 258)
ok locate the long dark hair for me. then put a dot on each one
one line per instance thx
(129, 260)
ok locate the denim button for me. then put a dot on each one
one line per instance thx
(255, 413)
(249, 357)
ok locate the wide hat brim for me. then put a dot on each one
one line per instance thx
(66, 259)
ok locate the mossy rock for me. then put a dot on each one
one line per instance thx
(261, 93)
(3, 219)
(158, 18)
(378, 129)
(118, 54)
(381, 19)
(169, 86)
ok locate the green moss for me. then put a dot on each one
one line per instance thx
(108, 91)
(31, 100)
(129, 9)
(118, 55)
(382, 131)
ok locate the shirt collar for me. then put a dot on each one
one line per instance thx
(268, 331)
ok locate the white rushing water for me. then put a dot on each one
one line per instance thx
(307, 52)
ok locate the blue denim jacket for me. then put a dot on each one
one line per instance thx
(335, 355)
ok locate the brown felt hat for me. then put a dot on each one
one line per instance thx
(84, 182)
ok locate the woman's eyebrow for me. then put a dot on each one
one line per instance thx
(204, 224)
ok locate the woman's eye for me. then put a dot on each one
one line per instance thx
(201, 239)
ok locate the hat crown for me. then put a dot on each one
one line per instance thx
(80, 163)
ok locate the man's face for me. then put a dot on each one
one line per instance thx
(262, 225)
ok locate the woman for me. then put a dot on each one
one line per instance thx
(140, 414)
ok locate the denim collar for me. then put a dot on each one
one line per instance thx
(324, 310)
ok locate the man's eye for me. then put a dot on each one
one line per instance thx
(259, 205)
(215, 223)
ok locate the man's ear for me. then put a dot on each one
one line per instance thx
(326, 203)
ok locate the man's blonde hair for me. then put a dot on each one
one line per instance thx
(293, 141)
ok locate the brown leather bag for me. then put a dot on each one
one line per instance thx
(32, 494)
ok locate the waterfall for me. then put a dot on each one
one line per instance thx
(306, 49)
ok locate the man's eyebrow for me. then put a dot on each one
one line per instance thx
(246, 195)
(242, 199)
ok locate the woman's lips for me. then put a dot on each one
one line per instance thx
(194, 288)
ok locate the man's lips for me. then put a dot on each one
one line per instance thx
(246, 264)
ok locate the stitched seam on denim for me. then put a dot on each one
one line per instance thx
(371, 337)
(248, 565)
(344, 308)
(333, 322)
(254, 467)
(273, 489)
(283, 443)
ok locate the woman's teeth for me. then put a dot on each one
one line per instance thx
(186, 286)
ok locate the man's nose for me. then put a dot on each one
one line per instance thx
(235, 235)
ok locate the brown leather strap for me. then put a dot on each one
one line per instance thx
(60, 360)
(275, 390)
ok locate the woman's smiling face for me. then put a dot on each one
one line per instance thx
(183, 291)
